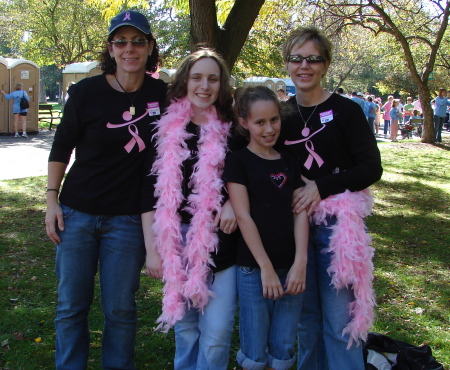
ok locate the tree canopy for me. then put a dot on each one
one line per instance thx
(400, 46)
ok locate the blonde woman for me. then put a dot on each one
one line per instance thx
(17, 111)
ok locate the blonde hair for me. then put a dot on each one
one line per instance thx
(305, 34)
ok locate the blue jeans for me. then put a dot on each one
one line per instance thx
(203, 340)
(267, 328)
(115, 244)
(325, 312)
(387, 123)
(438, 124)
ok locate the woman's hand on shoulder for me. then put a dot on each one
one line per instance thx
(54, 218)
(307, 198)
(226, 219)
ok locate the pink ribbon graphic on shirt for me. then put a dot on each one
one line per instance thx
(310, 148)
(312, 155)
(133, 130)
(127, 17)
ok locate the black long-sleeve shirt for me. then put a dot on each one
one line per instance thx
(110, 145)
(338, 149)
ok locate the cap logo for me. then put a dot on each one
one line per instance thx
(127, 17)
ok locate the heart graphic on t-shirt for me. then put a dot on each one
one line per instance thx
(279, 179)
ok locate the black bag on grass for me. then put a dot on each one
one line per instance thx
(409, 357)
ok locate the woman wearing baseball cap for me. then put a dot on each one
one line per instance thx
(96, 222)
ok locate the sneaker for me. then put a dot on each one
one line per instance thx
(24, 134)
(17, 135)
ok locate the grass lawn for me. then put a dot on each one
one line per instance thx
(410, 227)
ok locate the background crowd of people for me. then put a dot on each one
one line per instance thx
(394, 114)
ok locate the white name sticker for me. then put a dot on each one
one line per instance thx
(153, 109)
(326, 116)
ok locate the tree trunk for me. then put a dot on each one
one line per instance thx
(428, 125)
(230, 39)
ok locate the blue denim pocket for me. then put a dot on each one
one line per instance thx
(135, 219)
(67, 211)
(247, 270)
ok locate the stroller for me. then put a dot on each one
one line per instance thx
(412, 127)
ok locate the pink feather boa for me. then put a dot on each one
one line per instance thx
(351, 263)
(185, 270)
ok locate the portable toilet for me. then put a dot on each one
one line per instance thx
(279, 84)
(255, 81)
(269, 82)
(77, 71)
(26, 72)
(166, 74)
(4, 85)
(290, 87)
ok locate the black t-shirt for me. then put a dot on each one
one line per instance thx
(226, 252)
(270, 185)
(337, 149)
(111, 146)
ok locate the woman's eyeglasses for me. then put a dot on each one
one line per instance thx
(310, 59)
(121, 43)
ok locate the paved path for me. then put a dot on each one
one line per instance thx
(21, 157)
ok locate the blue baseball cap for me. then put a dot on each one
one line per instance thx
(130, 18)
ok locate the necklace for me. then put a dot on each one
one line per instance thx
(132, 109)
(306, 130)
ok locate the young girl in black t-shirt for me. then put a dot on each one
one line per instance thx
(272, 252)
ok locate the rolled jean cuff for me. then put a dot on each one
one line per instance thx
(248, 363)
(280, 364)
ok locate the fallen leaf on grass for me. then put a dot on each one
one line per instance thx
(18, 335)
(38, 340)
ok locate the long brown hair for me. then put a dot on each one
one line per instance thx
(178, 88)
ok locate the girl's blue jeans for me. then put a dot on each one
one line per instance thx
(115, 246)
(267, 328)
(325, 312)
(203, 340)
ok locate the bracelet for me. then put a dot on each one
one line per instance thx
(57, 190)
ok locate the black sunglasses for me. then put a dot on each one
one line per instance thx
(120, 43)
(310, 59)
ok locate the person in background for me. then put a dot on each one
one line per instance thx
(441, 104)
(19, 113)
(272, 252)
(96, 225)
(400, 109)
(418, 105)
(408, 109)
(66, 95)
(365, 105)
(188, 228)
(377, 114)
(386, 108)
(281, 94)
(395, 115)
(357, 100)
(372, 112)
(339, 159)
